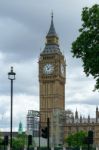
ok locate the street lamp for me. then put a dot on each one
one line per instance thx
(11, 76)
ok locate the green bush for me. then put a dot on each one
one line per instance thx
(43, 148)
(58, 148)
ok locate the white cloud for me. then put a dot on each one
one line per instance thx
(21, 105)
(83, 110)
(23, 27)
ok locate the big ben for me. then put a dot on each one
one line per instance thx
(52, 72)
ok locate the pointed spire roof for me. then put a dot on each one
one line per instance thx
(96, 108)
(76, 114)
(20, 130)
(52, 45)
(52, 31)
(80, 118)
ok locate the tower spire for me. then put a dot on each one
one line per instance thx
(52, 31)
(52, 15)
(76, 114)
(52, 44)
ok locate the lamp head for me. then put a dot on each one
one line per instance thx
(11, 74)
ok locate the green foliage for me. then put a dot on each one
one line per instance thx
(0, 137)
(1, 140)
(86, 45)
(76, 139)
(19, 141)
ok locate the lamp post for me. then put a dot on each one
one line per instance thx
(11, 77)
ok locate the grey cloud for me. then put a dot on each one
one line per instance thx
(16, 41)
(26, 79)
(22, 23)
(23, 27)
(91, 100)
(4, 107)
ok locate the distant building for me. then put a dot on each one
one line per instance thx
(20, 130)
(52, 79)
(62, 123)
(4, 133)
(77, 123)
(32, 123)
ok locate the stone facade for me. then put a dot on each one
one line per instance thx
(52, 69)
(75, 123)
(52, 76)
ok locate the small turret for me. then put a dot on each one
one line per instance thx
(88, 118)
(76, 114)
(97, 114)
(97, 109)
(20, 130)
(72, 118)
(80, 118)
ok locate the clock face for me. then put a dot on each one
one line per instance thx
(62, 69)
(48, 69)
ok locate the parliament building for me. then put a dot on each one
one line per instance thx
(52, 80)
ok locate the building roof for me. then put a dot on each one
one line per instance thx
(8, 133)
(52, 31)
(51, 46)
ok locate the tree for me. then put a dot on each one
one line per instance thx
(86, 45)
(76, 139)
(0, 139)
(19, 141)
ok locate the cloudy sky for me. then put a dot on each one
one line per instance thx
(23, 27)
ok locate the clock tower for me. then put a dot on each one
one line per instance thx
(52, 68)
